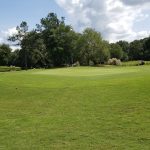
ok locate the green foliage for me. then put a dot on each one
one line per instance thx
(22, 31)
(53, 44)
(125, 57)
(140, 49)
(116, 51)
(5, 53)
(35, 50)
(60, 40)
(146, 46)
(93, 48)
(125, 48)
(136, 50)
(124, 45)
(14, 58)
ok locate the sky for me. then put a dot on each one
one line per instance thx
(115, 19)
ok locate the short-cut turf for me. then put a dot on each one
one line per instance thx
(105, 108)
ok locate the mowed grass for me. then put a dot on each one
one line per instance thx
(105, 108)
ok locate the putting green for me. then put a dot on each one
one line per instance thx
(85, 71)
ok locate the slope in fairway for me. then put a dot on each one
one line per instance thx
(75, 108)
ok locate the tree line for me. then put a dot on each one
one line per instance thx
(53, 43)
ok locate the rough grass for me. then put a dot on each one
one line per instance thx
(134, 63)
(75, 108)
(11, 68)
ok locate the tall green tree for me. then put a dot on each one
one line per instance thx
(125, 47)
(14, 58)
(92, 47)
(5, 53)
(34, 44)
(147, 48)
(56, 36)
(116, 51)
(136, 50)
(22, 31)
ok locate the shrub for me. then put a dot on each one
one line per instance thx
(76, 64)
(114, 61)
(141, 62)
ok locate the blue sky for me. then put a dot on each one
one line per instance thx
(12, 12)
(115, 19)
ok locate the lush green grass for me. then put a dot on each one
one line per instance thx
(104, 108)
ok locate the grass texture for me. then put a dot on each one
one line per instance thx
(103, 108)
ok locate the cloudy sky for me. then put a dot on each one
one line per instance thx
(115, 19)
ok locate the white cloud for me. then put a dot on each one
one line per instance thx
(1, 40)
(5, 34)
(113, 18)
(11, 31)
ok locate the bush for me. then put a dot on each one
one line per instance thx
(76, 64)
(141, 62)
(114, 61)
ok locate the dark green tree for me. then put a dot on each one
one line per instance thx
(147, 48)
(5, 53)
(57, 37)
(92, 47)
(116, 51)
(125, 47)
(22, 31)
(136, 51)
(14, 58)
(34, 44)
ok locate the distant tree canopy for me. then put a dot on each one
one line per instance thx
(146, 45)
(5, 53)
(92, 47)
(116, 51)
(53, 43)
